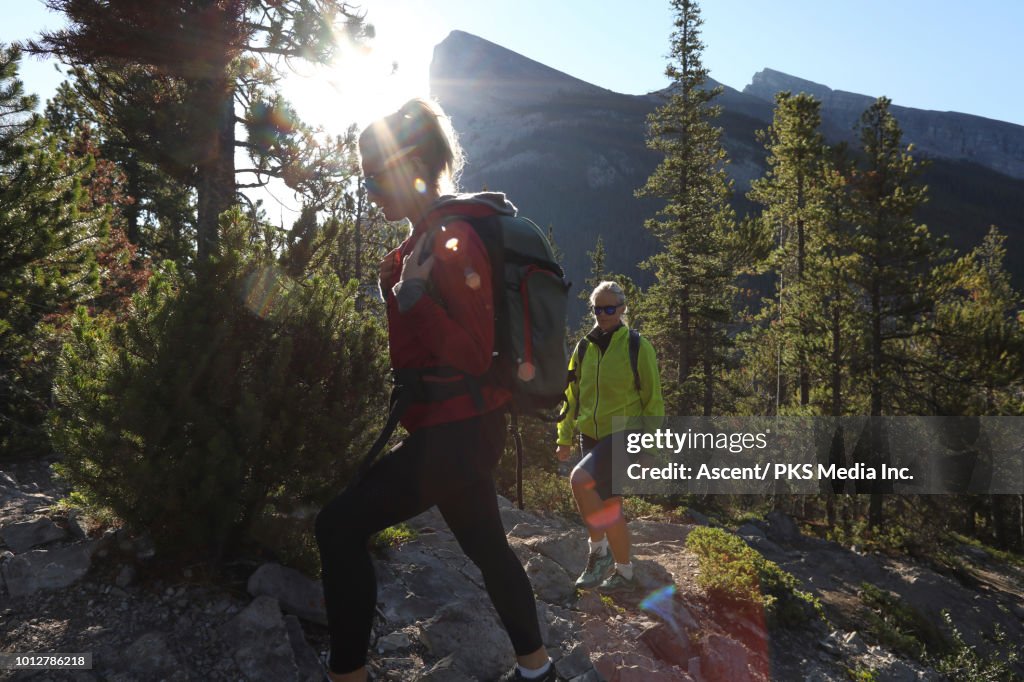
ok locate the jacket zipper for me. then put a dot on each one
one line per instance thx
(597, 389)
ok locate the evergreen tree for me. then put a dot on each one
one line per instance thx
(157, 213)
(49, 231)
(974, 361)
(598, 273)
(791, 194)
(170, 73)
(895, 259)
(223, 398)
(686, 311)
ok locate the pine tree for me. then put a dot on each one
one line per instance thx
(687, 309)
(598, 273)
(171, 72)
(49, 232)
(791, 194)
(974, 360)
(895, 259)
(158, 211)
(223, 397)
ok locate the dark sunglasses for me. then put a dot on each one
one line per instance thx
(606, 309)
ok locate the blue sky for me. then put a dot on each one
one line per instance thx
(929, 54)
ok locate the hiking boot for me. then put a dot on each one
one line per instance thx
(514, 675)
(617, 583)
(598, 568)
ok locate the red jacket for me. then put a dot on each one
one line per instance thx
(453, 324)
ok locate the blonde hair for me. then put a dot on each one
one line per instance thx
(419, 128)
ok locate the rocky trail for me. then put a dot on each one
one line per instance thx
(65, 590)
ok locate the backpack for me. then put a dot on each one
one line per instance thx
(531, 298)
(634, 361)
(530, 356)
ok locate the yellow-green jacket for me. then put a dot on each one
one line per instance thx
(605, 388)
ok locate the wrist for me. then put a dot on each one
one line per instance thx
(408, 292)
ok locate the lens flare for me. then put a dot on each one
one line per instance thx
(472, 279)
(609, 514)
(262, 292)
(660, 602)
(419, 185)
(526, 371)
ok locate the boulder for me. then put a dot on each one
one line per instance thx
(567, 549)
(51, 569)
(306, 659)
(549, 580)
(473, 634)
(21, 537)
(723, 658)
(782, 528)
(296, 593)
(668, 644)
(150, 657)
(259, 640)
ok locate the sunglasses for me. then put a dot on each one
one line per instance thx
(606, 309)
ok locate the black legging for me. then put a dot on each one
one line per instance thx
(448, 465)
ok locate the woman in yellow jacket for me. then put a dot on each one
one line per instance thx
(606, 387)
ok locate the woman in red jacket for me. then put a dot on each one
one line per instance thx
(437, 286)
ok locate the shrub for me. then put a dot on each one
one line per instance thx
(732, 571)
(222, 395)
(898, 625)
(548, 492)
(964, 664)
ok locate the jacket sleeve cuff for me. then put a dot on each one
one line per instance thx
(408, 292)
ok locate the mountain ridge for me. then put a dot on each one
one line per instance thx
(572, 154)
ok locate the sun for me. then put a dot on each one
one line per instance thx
(365, 82)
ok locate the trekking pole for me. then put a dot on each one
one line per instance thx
(518, 438)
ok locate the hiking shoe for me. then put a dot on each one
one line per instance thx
(598, 568)
(514, 675)
(617, 583)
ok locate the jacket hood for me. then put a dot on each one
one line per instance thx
(494, 200)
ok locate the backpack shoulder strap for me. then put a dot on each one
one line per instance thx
(580, 353)
(634, 356)
(581, 350)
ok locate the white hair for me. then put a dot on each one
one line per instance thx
(613, 287)
(607, 286)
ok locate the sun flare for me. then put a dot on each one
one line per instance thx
(365, 82)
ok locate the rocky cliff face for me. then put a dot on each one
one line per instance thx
(947, 135)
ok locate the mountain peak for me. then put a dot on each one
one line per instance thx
(463, 59)
(767, 82)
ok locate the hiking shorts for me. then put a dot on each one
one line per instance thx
(597, 462)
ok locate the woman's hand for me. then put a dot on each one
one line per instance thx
(386, 268)
(412, 268)
(563, 452)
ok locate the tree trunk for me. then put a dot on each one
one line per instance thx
(875, 508)
(837, 356)
(1020, 523)
(360, 205)
(684, 351)
(801, 254)
(709, 377)
(215, 186)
